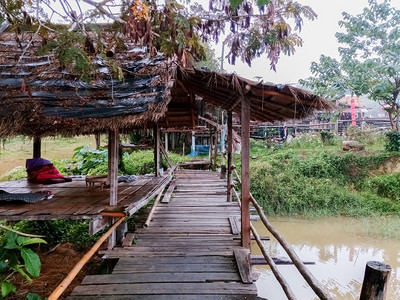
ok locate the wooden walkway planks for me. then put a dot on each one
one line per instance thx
(186, 252)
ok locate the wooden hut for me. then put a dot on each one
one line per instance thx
(39, 98)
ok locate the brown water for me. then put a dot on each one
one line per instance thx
(340, 251)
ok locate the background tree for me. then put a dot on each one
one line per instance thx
(369, 59)
(254, 28)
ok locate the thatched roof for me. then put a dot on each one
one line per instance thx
(40, 98)
(268, 102)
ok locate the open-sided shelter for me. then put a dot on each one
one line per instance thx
(39, 98)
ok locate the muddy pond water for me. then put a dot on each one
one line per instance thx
(340, 250)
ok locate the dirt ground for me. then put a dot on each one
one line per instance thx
(55, 267)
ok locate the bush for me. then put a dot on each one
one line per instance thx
(327, 137)
(318, 182)
(14, 174)
(393, 141)
(387, 185)
(61, 231)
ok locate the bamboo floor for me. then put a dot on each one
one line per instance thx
(190, 250)
(73, 200)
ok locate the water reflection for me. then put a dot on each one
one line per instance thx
(340, 252)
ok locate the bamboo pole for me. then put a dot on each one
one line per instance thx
(153, 208)
(311, 280)
(274, 268)
(72, 274)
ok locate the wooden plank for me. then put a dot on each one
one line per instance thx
(160, 277)
(165, 297)
(169, 192)
(219, 288)
(177, 260)
(234, 225)
(173, 268)
(242, 256)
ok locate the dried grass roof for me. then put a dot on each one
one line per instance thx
(38, 98)
(268, 102)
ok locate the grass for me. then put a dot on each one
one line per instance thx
(18, 149)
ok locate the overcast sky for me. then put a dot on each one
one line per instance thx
(318, 37)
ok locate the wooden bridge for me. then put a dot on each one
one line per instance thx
(190, 250)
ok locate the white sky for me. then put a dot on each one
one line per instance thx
(318, 38)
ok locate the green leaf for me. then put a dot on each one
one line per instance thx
(32, 262)
(33, 296)
(261, 3)
(7, 288)
(20, 270)
(30, 241)
(235, 3)
(11, 240)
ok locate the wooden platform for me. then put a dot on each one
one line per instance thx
(187, 252)
(72, 200)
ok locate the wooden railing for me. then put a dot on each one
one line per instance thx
(311, 280)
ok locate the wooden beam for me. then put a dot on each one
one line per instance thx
(245, 208)
(113, 147)
(229, 167)
(37, 147)
(157, 157)
(231, 105)
(166, 141)
(113, 144)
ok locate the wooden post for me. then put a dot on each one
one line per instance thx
(375, 281)
(215, 149)
(97, 138)
(211, 147)
(230, 148)
(222, 141)
(156, 134)
(245, 208)
(113, 146)
(166, 142)
(173, 141)
(37, 147)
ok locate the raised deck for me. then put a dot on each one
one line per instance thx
(188, 251)
(72, 200)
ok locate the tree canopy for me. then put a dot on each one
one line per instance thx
(250, 28)
(369, 59)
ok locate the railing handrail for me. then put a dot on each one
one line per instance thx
(307, 275)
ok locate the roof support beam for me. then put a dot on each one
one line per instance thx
(232, 104)
(245, 208)
(37, 147)
(157, 157)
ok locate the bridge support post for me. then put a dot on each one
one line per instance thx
(113, 147)
(157, 157)
(229, 163)
(375, 281)
(245, 208)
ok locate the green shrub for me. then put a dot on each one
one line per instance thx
(14, 174)
(393, 141)
(327, 137)
(88, 159)
(387, 185)
(61, 231)
(17, 257)
(319, 182)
